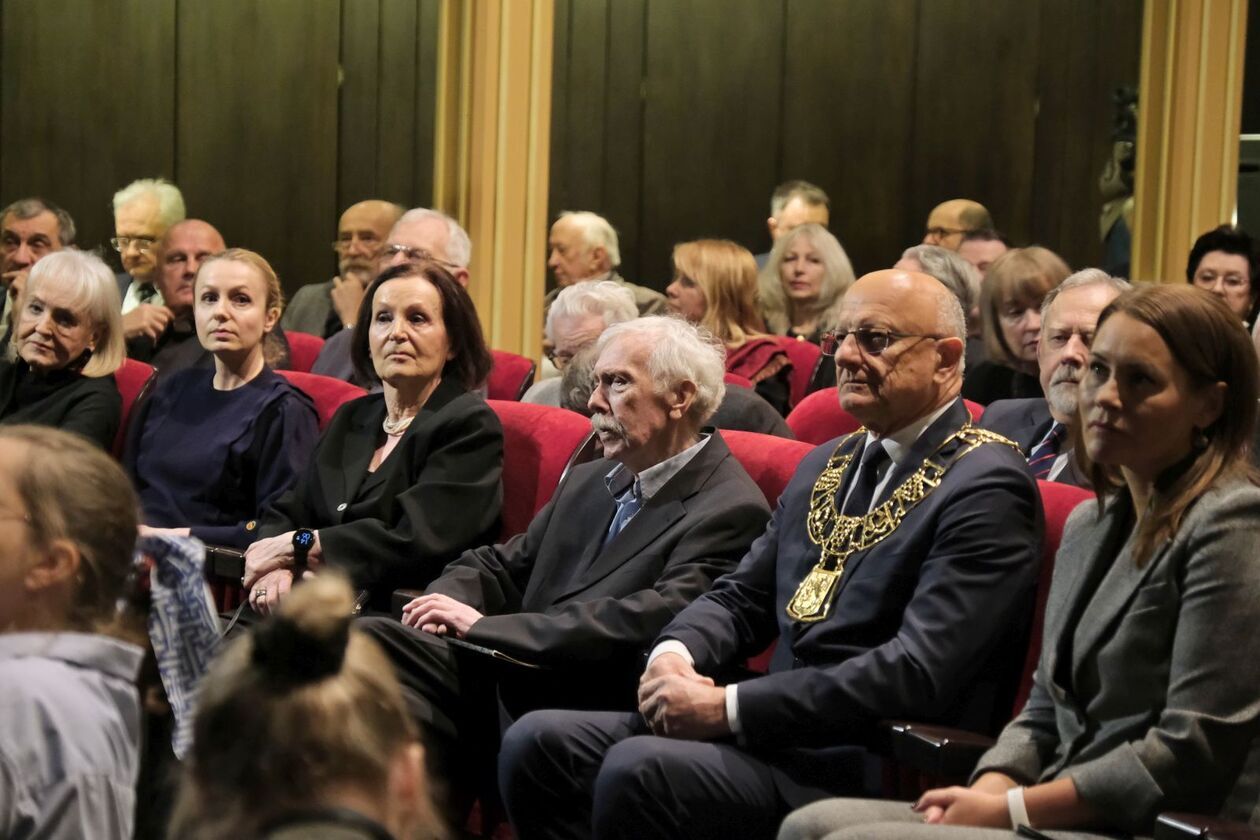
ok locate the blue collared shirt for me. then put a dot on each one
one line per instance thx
(69, 735)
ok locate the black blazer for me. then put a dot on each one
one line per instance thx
(436, 495)
(1026, 422)
(920, 622)
(551, 597)
(65, 399)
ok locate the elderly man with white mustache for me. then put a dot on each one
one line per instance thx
(1043, 427)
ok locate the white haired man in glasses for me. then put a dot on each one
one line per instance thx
(892, 574)
(143, 211)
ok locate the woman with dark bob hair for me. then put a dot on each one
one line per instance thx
(301, 731)
(1224, 262)
(1145, 696)
(405, 480)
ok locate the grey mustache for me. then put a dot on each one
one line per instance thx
(606, 424)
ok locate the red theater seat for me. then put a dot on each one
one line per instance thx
(736, 379)
(804, 356)
(819, 417)
(327, 393)
(132, 379)
(303, 350)
(537, 443)
(510, 377)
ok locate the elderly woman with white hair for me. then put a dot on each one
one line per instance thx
(575, 320)
(803, 282)
(67, 343)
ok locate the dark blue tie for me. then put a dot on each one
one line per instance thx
(873, 458)
(1041, 459)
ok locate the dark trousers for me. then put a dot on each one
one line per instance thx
(575, 775)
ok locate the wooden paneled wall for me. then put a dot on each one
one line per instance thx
(271, 116)
(676, 118)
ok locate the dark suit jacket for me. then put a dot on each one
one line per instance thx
(1026, 422)
(67, 400)
(436, 495)
(1146, 693)
(552, 597)
(917, 624)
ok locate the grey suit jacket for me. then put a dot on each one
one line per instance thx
(308, 310)
(1158, 705)
(1026, 422)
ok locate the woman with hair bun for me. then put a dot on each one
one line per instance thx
(69, 710)
(301, 732)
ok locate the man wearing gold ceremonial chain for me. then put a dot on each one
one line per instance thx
(896, 577)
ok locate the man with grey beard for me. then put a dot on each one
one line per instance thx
(625, 544)
(1043, 427)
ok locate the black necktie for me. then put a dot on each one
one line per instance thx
(873, 458)
(145, 292)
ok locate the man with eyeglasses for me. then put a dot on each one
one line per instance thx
(1043, 427)
(143, 211)
(896, 577)
(576, 318)
(951, 220)
(30, 229)
(324, 309)
(419, 234)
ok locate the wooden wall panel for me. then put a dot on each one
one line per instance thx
(358, 97)
(710, 124)
(86, 92)
(975, 111)
(848, 106)
(256, 137)
(621, 180)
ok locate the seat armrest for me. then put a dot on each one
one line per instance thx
(223, 563)
(948, 755)
(400, 599)
(1180, 826)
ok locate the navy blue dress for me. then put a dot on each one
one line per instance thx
(214, 460)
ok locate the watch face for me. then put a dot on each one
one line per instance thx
(303, 538)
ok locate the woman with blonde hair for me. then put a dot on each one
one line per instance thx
(216, 447)
(1010, 323)
(301, 731)
(67, 342)
(715, 287)
(803, 282)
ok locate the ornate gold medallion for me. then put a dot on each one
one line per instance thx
(840, 536)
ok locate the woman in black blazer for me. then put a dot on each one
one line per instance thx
(402, 482)
(66, 344)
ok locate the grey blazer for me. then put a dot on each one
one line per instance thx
(1161, 704)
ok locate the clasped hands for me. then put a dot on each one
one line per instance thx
(983, 804)
(268, 570)
(440, 615)
(677, 702)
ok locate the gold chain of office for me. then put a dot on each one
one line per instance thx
(840, 536)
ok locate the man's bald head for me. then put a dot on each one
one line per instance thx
(361, 234)
(951, 220)
(183, 248)
(902, 356)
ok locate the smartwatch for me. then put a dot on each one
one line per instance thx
(303, 540)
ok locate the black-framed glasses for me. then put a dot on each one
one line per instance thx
(942, 232)
(870, 340)
(143, 243)
(415, 255)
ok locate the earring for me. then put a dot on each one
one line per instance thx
(1200, 440)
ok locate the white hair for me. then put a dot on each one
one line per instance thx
(951, 321)
(1085, 277)
(596, 232)
(458, 245)
(958, 275)
(681, 352)
(94, 293)
(611, 301)
(170, 199)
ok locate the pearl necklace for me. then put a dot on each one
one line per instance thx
(396, 427)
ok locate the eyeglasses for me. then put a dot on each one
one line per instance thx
(942, 232)
(559, 358)
(143, 244)
(345, 242)
(415, 255)
(870, 341)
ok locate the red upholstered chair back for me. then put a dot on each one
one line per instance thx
(327, 393)
(736, 379)
(510, 377)
(770, 460)
(537, 443)
(132, 379)
(1058, 500)
(819, 418)
(804, 356)
(303, 350)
